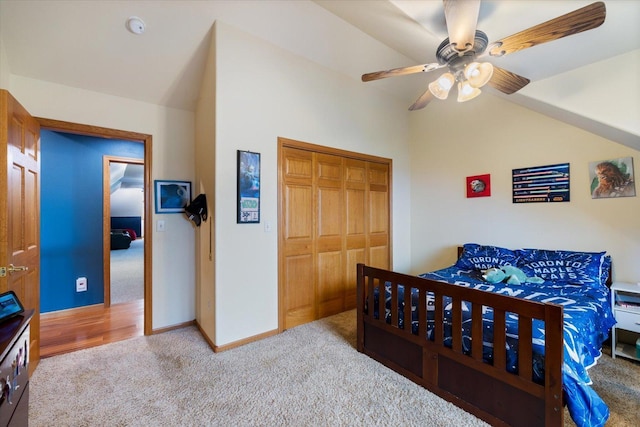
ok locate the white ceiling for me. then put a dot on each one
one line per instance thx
(85, 44)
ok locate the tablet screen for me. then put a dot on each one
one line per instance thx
(9, 305)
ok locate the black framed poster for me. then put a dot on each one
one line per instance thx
(541, 184)
(248, 187)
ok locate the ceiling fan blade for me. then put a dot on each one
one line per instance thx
(506, 81)
(462, 20)
(403, 71)
(575, 22)
(422, 102)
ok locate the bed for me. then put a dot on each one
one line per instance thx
(553, 332)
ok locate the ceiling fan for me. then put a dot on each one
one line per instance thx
(466, 45)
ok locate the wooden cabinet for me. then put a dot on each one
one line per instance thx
(14, 370)
(625, 302)
(334, 214)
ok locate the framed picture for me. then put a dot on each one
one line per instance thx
(541, 184)
(248, 187)
(172, 196)
(612, 178)
(479, 186)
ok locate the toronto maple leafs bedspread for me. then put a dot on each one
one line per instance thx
(587, 320)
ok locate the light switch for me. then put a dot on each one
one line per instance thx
(160, 225)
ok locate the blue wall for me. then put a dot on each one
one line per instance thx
(71, 216)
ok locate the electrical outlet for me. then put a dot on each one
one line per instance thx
(81, 284)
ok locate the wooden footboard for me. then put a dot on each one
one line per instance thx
(488, 391)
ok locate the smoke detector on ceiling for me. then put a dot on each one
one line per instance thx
(135, 25)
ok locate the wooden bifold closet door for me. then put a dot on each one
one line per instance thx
(334, 213)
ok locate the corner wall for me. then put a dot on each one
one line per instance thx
(450, 141)
(263, 92)
(205, 158)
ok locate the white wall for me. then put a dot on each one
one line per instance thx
(450, 141)
(127, 202)
(603, 98)
(172, 158)
(618, 80)
(264, 92)
(5, 73)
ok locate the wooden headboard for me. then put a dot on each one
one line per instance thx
(609, 280)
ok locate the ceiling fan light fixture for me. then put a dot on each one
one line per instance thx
(466, 92)
(442, 85)
(478, 74)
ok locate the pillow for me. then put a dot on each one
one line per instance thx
(481, 257)
(565, 267)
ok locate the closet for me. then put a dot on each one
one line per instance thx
(334, 212)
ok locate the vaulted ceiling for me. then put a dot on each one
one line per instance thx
(85, 44)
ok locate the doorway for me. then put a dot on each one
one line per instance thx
(146, 140)
(123, 198)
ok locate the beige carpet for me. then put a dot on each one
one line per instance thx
(127, 273)
(308, 376)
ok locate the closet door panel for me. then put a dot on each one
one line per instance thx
(330, 222)
(330, 283)
(355, 206)
(355, 212)
(379, 256)
(329, 234)
(354, 256)
(330, 194)
(297, 264)
(298, 212)
(378, 215)
(299, 295)
(297, 164)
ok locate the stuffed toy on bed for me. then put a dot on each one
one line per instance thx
(509, 274)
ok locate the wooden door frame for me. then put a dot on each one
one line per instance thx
(101, 132)
(106, 218)
(291, 143)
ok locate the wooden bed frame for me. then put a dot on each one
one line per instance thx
(489, 392)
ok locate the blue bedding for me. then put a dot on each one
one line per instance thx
(587, 321)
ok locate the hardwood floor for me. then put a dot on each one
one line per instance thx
(75, 329)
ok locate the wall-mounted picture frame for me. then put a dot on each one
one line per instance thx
(248, 187)
(479, 186)
(612, 178)
(545, 184)
(172, 196)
